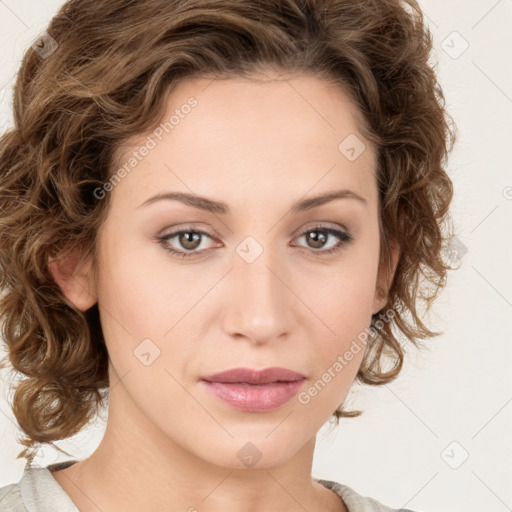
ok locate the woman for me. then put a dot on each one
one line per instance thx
(215, 216)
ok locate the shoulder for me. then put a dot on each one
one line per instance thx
(355, 502)
(10, 499)
(36, 490)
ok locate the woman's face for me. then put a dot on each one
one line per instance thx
(265, 283)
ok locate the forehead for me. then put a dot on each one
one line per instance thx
(300, 107)
(285, 135)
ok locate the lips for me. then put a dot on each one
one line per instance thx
(252, 376)
(254, 390)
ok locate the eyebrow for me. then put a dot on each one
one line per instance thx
(218, 207)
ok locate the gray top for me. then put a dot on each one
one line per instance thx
(38, 491)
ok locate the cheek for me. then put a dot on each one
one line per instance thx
(344, 300)
(343, 293)
(146, 303)
(340, 340)
(139, 288)
(345, 308)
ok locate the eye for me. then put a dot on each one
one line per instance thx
(191, 240)
(318, 235)
(188, 238)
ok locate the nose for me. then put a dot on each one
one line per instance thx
(259, 302)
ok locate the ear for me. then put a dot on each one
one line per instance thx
(385, 277)
(75, 278)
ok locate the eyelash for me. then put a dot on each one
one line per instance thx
(344, 237)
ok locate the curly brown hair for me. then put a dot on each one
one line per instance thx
(111, 68)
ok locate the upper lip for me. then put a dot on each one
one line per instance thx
(253, 376)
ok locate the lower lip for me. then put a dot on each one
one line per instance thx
(255, 397)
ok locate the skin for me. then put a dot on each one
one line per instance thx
(260, 148)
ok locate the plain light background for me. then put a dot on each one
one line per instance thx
(439, 437)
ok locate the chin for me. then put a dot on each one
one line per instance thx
(248, 452)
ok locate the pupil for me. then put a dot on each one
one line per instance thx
(318, 240)
(188, 238)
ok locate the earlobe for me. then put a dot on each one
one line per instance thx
(75, 278)
(385, 277)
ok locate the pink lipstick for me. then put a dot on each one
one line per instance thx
(255, 390)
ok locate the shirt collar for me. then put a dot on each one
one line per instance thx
(40, 492)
